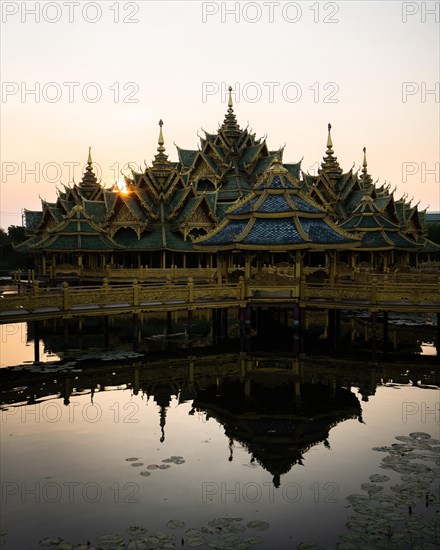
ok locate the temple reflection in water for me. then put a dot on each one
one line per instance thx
(275, 408)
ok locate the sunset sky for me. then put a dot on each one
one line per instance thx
(369, 68)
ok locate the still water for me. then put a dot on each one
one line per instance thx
(214, 450)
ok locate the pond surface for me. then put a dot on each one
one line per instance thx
(223, 450)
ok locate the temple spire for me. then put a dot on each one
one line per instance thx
(161, 164)
(329, 141)
(230, 104)
(161, 141)
(365, 178)
(230, 125)
(330, 165)
(89, 183)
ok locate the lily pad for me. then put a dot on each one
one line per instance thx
(194, 542)
(258, 525)
(377, 478)
(152, 467)
(137, 545)
(137, 529)
(51, 541)
(145, 473)
(131, 459)
(192, 533)
(109, 541)
(175, 524)
(419, 435)
(137, 464)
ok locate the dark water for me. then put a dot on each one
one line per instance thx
(275, 442)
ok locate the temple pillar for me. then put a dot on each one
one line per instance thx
(224, 322)
(36, 341)
(106, 331)
(332, 266)
(219, 269)
(65, 334)
(247, 265)
(259, 265)
(189, 329)
(437, 343)
(298, 264)
(385, 332)
(43, 264)
(136, 381)
(373, 334)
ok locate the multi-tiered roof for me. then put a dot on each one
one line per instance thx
(231, 193)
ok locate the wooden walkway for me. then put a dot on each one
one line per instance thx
(67, 302)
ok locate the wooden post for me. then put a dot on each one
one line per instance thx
(385, 332)
(337, 330)
(106, 332)
(190, 290)
(247, 329)
(66, 304)
(302, 329)
(36, 341)
(189, 330)
(65, 334)
(219, 269)
(135, 293)
(214, 327)
(373, 334)
(247, 266)
(438, 336)
(373, 295)
(224, 320)
(241, 318)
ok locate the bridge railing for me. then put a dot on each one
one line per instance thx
(373, 293)
(70, 298)
(137, 294)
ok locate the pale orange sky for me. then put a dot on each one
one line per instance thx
(358, 54)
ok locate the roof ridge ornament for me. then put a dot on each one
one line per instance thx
(329, 141)
(161, 141)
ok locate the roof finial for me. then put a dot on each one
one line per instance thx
(161, 141)
(329, 139)
(230, 104)
(364, 164)
(230, 123)
(89, 160)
